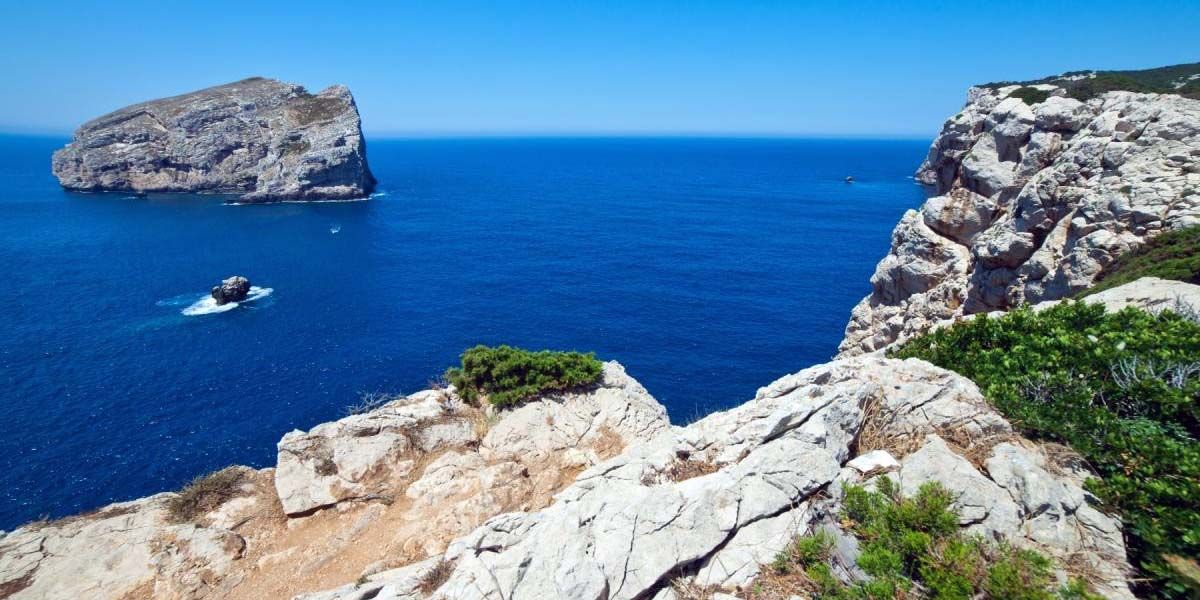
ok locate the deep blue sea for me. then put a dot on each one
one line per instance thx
(708, 267)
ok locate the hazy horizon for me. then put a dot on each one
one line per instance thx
(645, 69)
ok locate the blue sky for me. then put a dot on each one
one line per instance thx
(616, 67)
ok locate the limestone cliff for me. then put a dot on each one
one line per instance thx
(258, 138)
(1031, 202)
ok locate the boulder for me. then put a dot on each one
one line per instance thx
(232, 289)
(365, 454)
(260, 139)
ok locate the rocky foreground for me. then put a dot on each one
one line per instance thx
(1031, 203)
(261, 139)
(591, 494)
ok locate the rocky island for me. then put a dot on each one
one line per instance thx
(590, 492)
(260, 139)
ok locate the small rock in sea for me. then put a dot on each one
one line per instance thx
(233, 289)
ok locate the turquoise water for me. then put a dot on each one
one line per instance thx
(708, 267)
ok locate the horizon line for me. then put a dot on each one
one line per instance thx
(565, 134)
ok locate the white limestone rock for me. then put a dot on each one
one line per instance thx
(258, 138)
(1031, 204)
(627, 527)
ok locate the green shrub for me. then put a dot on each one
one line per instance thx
(1086, 89)
(911, 544)
(1170, 255)
(1084, 85)
(507, 376)
(1123, 389)
(1030, 95)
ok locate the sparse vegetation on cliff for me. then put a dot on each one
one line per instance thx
(911, 544)
(507, 376)
(1122, 389)
(205, 493)
(1172, 255)
(1084, 85)
(1030, 95)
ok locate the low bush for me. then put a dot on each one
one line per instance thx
(1085, 85)
(1123, 390)
(205, 493)
(913, 547)
(507, 376)
(1171, 255)
(1030, 95)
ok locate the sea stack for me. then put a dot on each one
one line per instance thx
(233, 289)
(261, 139)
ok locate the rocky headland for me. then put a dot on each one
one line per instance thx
(260, 139)
(1032, 199)
(592, 493)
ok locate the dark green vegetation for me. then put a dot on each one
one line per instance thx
(1162, 80)
(1030, 95)
(1170, 255)
(1122, 390)
(909, 541)
(507, 376)
(205, 493)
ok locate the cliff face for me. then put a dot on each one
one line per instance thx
(259, 138)
(1031, 203)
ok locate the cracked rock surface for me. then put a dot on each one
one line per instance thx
(1030, 204)
(366, 494)
(630, 525)
(258, 138)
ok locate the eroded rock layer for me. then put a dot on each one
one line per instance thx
(258, 138)
(1031, 203)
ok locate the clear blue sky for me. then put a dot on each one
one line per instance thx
(562, 67)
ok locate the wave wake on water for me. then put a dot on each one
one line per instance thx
(208, 305)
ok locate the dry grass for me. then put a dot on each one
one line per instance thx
(481, 423)
(369, 401)
(684, 468)
(976, 450)
(773, 585)
(1063, 460)
(205, 493)
(435, 577)
(685, 589)
(1188, 567)
(881, 430)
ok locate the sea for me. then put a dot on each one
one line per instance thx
(707, 266)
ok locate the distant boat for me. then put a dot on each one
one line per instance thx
(849, 179)
(335, 229)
